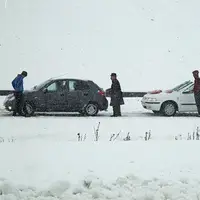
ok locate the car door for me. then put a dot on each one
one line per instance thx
(39, 100)
(187, 100)
(55, 96)
(77, 95)
(38, 96)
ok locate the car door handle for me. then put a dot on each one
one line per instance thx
(85, 93)
(61, 95)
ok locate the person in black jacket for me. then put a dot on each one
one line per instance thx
(116, 96)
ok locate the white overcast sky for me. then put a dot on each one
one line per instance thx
(150, 44)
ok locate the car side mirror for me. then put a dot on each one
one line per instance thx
(45, 90)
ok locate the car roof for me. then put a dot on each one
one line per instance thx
(57, 79)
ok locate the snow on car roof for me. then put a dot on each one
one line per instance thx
(65, 76)
(70, 79)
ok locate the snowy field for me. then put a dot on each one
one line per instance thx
(150, 45)
(41, 157)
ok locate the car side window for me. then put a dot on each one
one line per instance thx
(52, 87)
(82, 85)
(78, 85)
(72, 86)
(62, 85)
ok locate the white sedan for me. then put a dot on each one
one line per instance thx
(179, 99)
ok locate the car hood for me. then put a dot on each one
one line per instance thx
(10, 97)
(29, 91)
(162, 94)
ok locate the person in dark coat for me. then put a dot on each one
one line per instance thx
(196, 89)
(116, 96)
(18, 86)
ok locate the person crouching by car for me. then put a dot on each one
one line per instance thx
(196, 89)
(116, 96)
(18, 85)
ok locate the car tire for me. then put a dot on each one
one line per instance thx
(29, 109)
(156, 112)
(91, 109)
(169, 109)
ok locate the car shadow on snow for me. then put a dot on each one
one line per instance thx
(7, 114)
(177, 115)
(104, 115)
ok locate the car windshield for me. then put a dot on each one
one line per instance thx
(181, 86)
(40, 86)
(190, 88)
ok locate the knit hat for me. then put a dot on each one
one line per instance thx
(113, 74)
(195, 72)
(24, 73)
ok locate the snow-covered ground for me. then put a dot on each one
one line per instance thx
(41, 157)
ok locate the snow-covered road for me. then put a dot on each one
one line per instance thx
(43, 152)
(135, 120)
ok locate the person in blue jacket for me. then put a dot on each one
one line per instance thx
(18, 85)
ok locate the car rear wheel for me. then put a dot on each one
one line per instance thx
(91, 109)
(29, 109)
(169, 109)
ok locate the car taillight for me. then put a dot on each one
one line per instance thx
(101, 92)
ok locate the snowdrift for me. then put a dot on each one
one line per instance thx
(124, 188)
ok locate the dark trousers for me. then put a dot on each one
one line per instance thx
(19, 103)
(117, 110)
(197, 100)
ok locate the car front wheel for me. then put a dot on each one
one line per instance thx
(169, 109)
(29, 109)
(91, 109)
(156, 112)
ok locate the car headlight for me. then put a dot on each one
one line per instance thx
(144, 98)
(152, 99)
